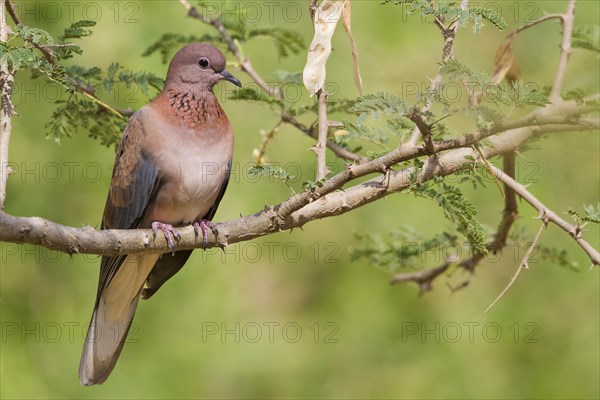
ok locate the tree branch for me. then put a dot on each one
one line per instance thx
(423, 278)
(7, 111)
(568, 19)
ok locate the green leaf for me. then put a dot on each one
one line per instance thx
(488, 14)
(34, 35)
(450, 12)
(592, 215)
(252, 95)
(372, 104)
(526, 94)
(517, 94)
(169, 42)
(77, 113)
(456, 208)
(587, 37)
(260, 170)
(142, 80)
(404, 247)
(311, 185)
(76, 30)
(557, 256)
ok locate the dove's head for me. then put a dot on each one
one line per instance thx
(200, 65)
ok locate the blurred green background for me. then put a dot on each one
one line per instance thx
(290, 315)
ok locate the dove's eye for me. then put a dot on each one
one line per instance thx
(203, 62)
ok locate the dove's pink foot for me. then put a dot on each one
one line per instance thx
(169, 232)
(203, 225)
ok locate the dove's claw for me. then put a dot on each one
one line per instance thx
(203, 225)
(169, 232)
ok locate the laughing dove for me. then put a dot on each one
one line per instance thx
(171, 169)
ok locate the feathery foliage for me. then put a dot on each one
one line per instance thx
(450, 12)
(80, 110)
(587, 37)
(273, 171)
(591, 214)
(168, 42)
(456, 208)
(286, 41)
(76, 30)
(405, 248)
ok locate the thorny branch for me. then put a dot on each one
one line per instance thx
(568, 19)
(548, 215)
(425, 278)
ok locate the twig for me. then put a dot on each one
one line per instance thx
(533, 23)
(7, 111)
(268, 137)
(568, 19)
(477, 148)
(524, 263)
(320, 147)
(423, 278)
(449, 33)
(416, 116)
(549, 215)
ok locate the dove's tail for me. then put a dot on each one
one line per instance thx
(111, 320)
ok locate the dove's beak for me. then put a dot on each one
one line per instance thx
(228, 77)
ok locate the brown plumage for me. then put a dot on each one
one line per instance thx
(172, 167)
